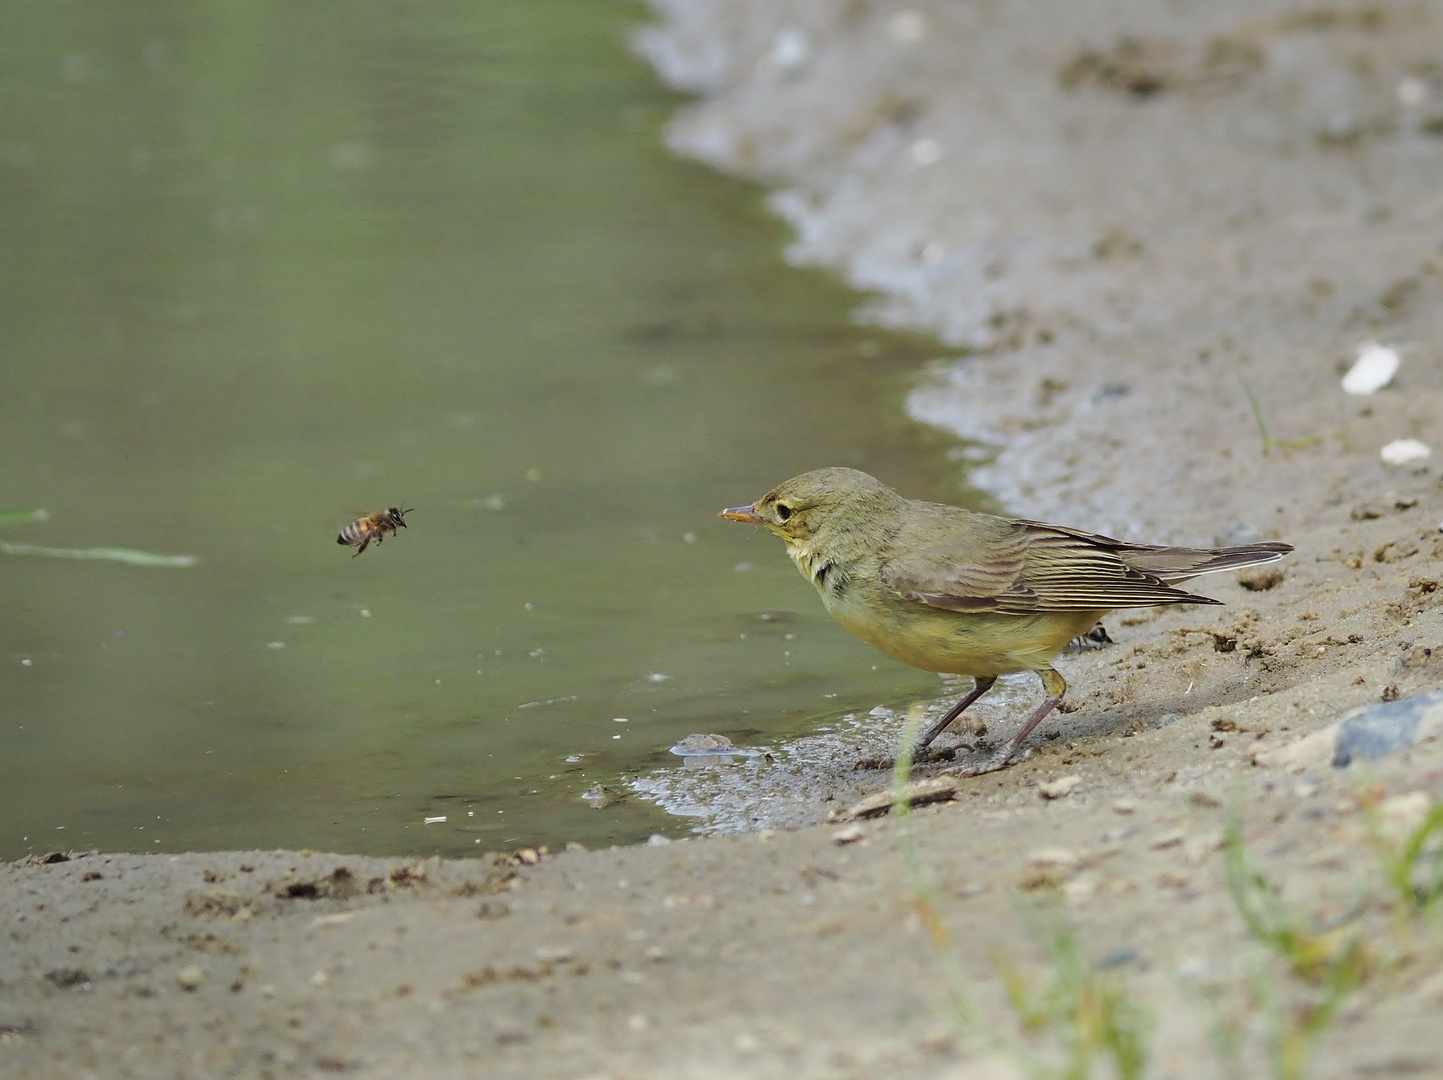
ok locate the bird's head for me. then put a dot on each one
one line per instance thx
(817, 503)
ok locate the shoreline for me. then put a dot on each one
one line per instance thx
(1011, 178)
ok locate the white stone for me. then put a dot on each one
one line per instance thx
(1405, 452)
(1374, 369)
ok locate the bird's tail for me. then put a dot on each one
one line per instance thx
(1177, 564)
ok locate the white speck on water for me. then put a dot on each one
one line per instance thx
(434, 820)
(534, 653)
(26, 662)
(353, 156)
(75, 68)
(365, 613)
(494, 502)
(616, 736)
(301, 620)
(1374, 369)
(657, 676)
(275, 644)
(619, 719)
(742, 567)
(1405, 452)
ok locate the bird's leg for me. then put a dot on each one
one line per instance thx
(1054, 686)
(981, 684)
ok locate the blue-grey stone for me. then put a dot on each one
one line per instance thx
(1387, 728)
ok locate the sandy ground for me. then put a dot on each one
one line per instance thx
(1123, 218)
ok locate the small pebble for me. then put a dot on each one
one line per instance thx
(1171, 838)
(1059, 788)
(1383, 729)
(1405, 452)
(1260, 579)
(847, 834)
(1055, 856)
(1124, 806)
(1080, 888)
(189, 977)
(1400, 815)
(554, 954)
(907, 27)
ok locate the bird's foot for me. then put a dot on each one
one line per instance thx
(944, 753)
(997, 761)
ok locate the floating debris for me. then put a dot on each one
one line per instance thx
(121, 555)
(1405, 452)
(696, 750)
(600, 796)
(23, 517)
(1374, 369)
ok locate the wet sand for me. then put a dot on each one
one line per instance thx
(1122, 220)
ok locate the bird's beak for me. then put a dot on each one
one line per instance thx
(747, 514)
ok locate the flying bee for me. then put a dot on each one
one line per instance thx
(361, 532)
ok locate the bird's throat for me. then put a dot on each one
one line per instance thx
(818, 568)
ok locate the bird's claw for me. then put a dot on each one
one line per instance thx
(946, 753)
(992, 764)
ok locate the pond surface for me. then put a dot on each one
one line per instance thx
(269, 267)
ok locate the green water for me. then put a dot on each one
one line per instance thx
(270, 266)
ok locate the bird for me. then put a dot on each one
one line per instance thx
(965, 593)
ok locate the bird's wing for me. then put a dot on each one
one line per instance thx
(1031, 569)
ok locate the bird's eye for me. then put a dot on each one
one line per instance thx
(783, 511)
